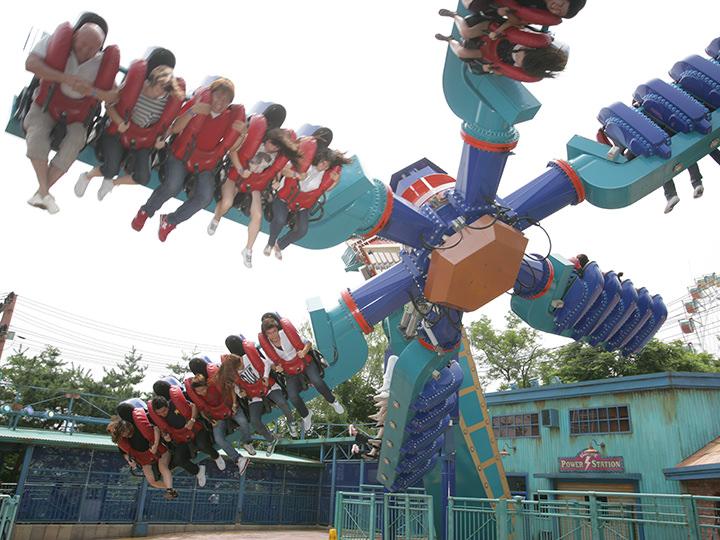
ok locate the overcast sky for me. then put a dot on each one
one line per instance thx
(371, 71)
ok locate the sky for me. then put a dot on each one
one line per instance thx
(372, 72)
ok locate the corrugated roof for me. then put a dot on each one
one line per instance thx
(103, 442)
(57, 438)
(707, 455)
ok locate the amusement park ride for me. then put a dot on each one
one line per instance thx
(463, 246)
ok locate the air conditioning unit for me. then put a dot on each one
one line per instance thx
(550, 418)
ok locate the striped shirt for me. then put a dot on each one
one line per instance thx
(147, 110)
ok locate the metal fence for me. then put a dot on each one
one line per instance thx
(577, 515)
(8, 509)
(75, 485)
(374, 515)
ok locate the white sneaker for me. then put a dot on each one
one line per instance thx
(247, 257)
(293, 430)
(213, 226)
(249, 448)
(271, 448)
(106, 187)
(201, 476)
(220, 462)
(698, 192)
(337, 407)
(267, 250)
(36, 201)
(242, 464)
(352, 430)
(672, 201)
(307, 421)
(82, 184)
(50, 205)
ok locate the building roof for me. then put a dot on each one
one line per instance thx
(78, 439)
(705, 463)
(636, 383)
(708, 454)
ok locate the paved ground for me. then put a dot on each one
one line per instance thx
(249, 535)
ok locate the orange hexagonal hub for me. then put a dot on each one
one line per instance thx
(480, 266)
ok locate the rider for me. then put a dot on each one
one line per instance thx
(74, 77)
(177, 418)
(150, 99)
(132, 432)
(256, 382)
(218, 407)
(207, 126)
(298, 193)
(254, 174)
(289, 352)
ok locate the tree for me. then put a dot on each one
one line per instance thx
(579, 361)
(28, 375)
(46, 383)
(121, 380)
(180, 370)
(510, 355)
(357, 393)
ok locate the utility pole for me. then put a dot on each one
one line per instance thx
(6, 309)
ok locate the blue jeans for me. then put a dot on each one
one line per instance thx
(114, 153)
(294, 385)
(280, 215)
(175, 174)
(258, 407)
(222, 442)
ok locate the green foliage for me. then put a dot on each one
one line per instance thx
(512, 354)
(46, 383)
(356, 394)
(122, 379)
(579, 361)
(181, 370)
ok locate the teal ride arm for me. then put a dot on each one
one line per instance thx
(620, 183)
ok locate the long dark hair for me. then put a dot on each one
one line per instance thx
(544, 62)
(334, 157)
(117, 427)
(225, 377)
(286, 145)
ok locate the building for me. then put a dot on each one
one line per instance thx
(655, 433)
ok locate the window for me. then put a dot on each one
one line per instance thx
(516, 425)
(615, 419)
(517, 484)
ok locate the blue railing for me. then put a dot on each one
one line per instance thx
(570, 515)
(57, 489)
(58, 407)
(8, 510)
(371, 513)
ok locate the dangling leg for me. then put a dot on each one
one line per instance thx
(670, 195)
(696, 180)
(253, 226)
(228, 191)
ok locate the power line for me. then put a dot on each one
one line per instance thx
(89, 343)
